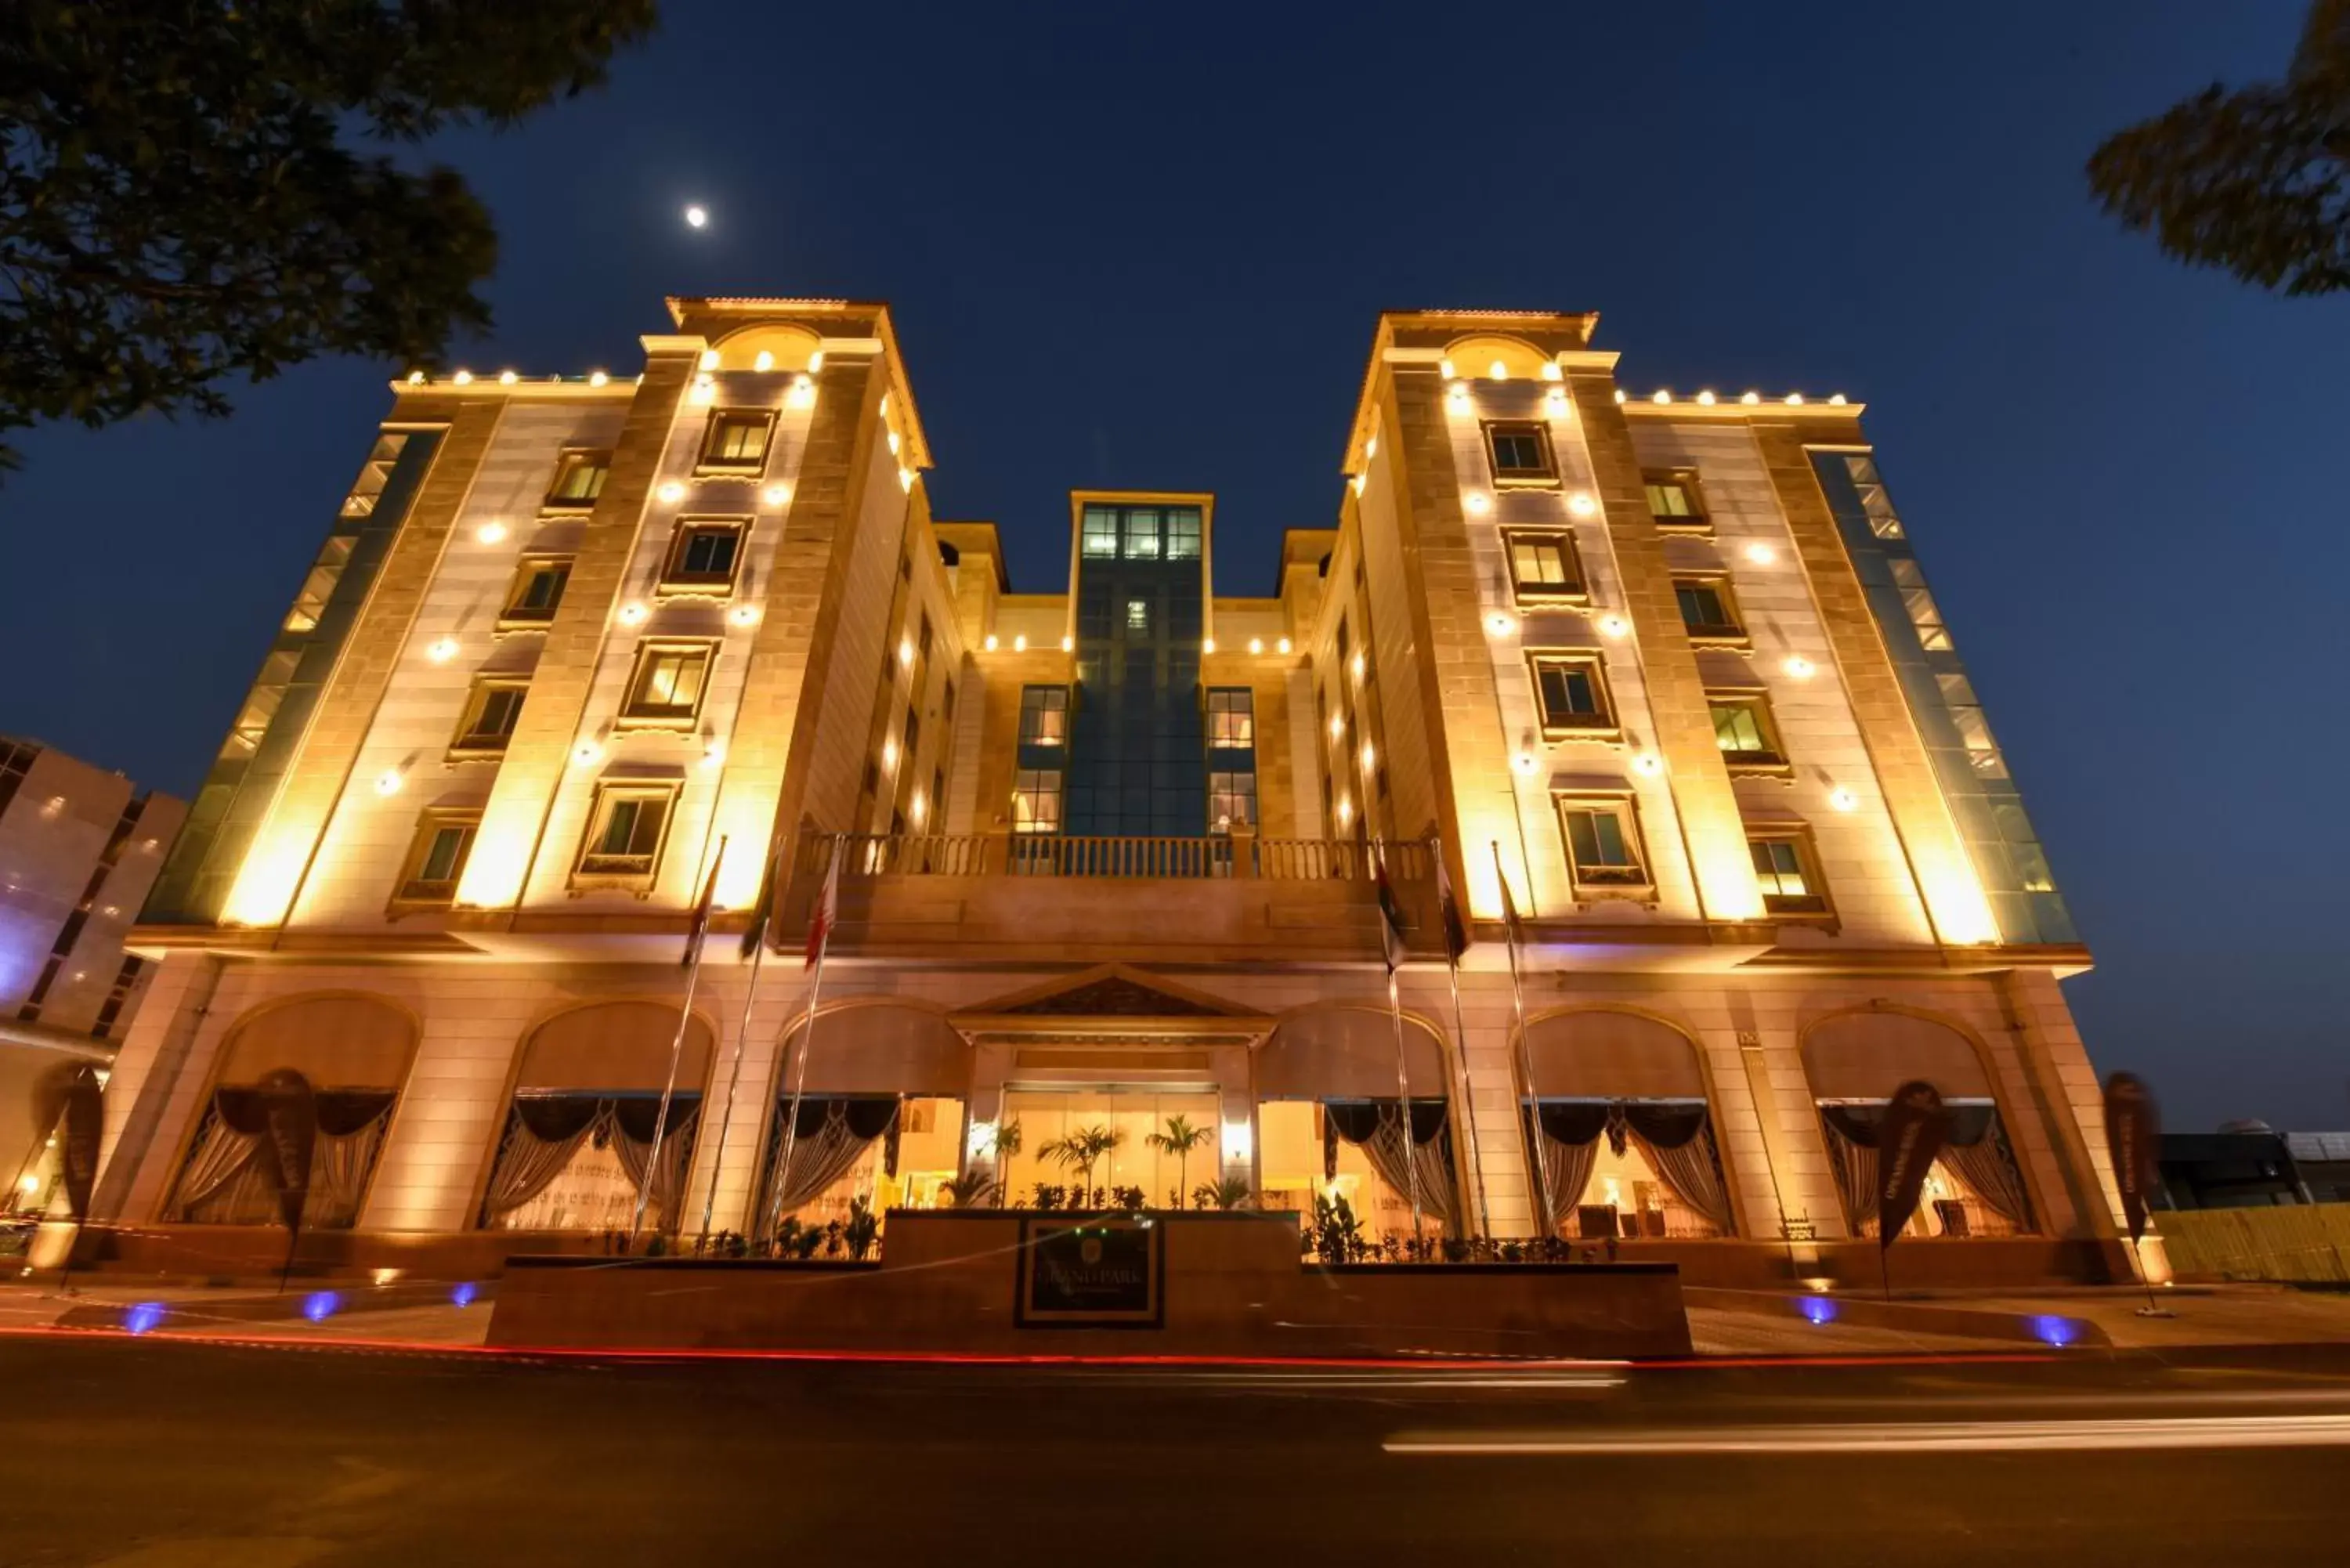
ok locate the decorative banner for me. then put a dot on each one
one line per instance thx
(291, 1113)
(2134, 1139)
(1915, 1128)
(69, 1092)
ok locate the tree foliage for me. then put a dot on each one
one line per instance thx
(2256, 180)
(193, 190)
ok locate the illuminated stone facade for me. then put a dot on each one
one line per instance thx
(1666, 666)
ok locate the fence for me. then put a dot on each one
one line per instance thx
(2300, 1243)
(1072, 855)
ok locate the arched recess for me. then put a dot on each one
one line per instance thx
(789, 347)
(1476, 358)
(1326, 1080)
(354, 1050)
(877, 1117)
(1618, 1115)
(1854, 1059)
(584, 1124)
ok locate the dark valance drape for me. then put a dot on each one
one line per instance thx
(1674, 1137)
(223, 1184)
(1977, 1151)
(545, 1132)
(1376, 1127)
(828, 1137)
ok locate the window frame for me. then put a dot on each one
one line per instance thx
(1575, 591)
(1605, 725)
(571, 460)
(406, 896)
(1544, 477)
(1807, 862)
(1041, 690)
(608, 794)
(1247, 710)
(1625, 805)
(476, 699)
(1771, 763)
(1242, 787)
(512, 614)
(1701, 519)
(705, 462)
(632, 715)
(675, 579)
(1729, 634)
(1034, 826)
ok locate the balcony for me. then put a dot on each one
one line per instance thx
(1223, 898)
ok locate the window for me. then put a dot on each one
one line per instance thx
(1784, 865)
(578, 479)
(1044, 716)
(1870, 487)
(245, 736)
(1232, 800)
(1520, 453)
(437, 858)
(1602, 841)
(1097, 533)
(1182, 533)
(1743, 729)
(1572, 693)
(625, 832)
(667, 686)
(489, 721)
(536, 591)
(1542, 565)
(1231, 717)
(1924, 613)
(736, 442)
(319, 586)
(703, 556)
(374, 474)
(1137, 615)
(1142, 533)
(1974, 731)
(1708, 611)
(1673, 499)
(1036, 801)
(118, 996)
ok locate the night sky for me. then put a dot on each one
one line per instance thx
(1142, 251)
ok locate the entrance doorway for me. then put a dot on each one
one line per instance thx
(1127, 1116)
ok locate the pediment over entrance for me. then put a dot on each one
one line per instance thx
(1111, 999)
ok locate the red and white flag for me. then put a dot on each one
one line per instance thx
(1392, 941)
(700, 927)
(827, 907)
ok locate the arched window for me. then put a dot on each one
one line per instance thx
(1331, 1122)
(877, 1119)
(1617, 1118)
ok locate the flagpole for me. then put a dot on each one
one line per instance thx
(735, 1071)
(807, 1037)
(677, 1046)
(1389, 941)
(1525, 1051)
(1484, 1226)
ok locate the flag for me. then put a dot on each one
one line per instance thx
(2133, 1137)
(700, 926)
(1915, 1128)
(763, 910)
(1509, 905)
(1456, 929)
(827, 907)
(1390, 918)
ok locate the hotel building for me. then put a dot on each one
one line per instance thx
(1665, 670)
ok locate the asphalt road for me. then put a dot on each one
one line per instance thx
(154, 1454)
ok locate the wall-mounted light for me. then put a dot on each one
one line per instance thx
(507, 377)
(490, 533)
(1648, 764)
(596, 377)
(889, 753)
(906, 480)
(989, 642)
(906, 652)
(1337, 725)
(709, 360)
(704, 393)
(1837, 399)
(1281, 647)
(631, 613)
(1705, 399)
(1370, 757)
(1843, 799)
(1240, 1140)
(894, 442)
(1371, 446)
(1794, 399)
(1477, 501)
(1360, 668)
(1345, 811)
(1358, 481)
(1614, 625)
(815, 361)
(387, 781)
(1525, 763)
(763, 360)
(744, 615)
(1069, 645)
(1020, 643)
(463, 377)
(1581, 504)
(1207, 645)
(1500, 624)
(1498, 371)
(715, 754)
(1799, 668)
(803, 393)
(1621, 396)
(1551, 371)
(1762, 554)
(1556, 401)
(1444, 369)
(1750, 399)
(584, 753)
(416, 377)
(775, 494)
(442, 651)
(1456, 397)
(1256, 644)
(1660, 395)
(671, 493)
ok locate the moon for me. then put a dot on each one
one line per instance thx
(697, 216)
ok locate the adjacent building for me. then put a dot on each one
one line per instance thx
(80, 848)
(1662, 675)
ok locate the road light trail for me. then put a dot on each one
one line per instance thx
(1913, 1438)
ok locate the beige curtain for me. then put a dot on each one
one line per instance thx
(540, 1142)
(219, 1156)
(1988, 1167)
(676, 1157)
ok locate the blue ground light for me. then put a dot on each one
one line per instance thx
(462, 1295)
(2059, 1332)
(319, 1305)
(144, 1316)
(1817, 1309)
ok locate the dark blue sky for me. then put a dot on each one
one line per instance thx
(1145, 246)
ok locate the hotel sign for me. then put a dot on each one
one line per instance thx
(1104, 1272)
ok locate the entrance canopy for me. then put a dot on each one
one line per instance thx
(614, 1048)
(1868, 1056)
(335, 1042)
(1347, 1053)
(885, 1050)
(1610, 1056)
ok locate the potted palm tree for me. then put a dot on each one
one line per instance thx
(1000, 1147)
(1178, 1137)
(1080, 1151)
